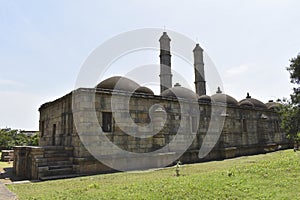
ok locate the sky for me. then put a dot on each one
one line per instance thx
(43, 45)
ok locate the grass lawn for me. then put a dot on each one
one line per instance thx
(268, 176)
(4, 164)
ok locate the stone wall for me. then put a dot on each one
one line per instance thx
(7, 155)
(246, 130)
(56, 122)
(26, 161)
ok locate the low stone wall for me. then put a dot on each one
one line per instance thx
(90, 166)
(25, 161)
(7, 155)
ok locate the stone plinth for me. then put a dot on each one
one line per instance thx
(7, 155)
(25, 164)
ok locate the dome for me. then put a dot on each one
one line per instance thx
(219, 97)
(223, 98)
(118, 83)
(256, 103)
(180, 92)
(271, 105)
(143, 89)
(204, 98)
(246, 104)
(124, 84)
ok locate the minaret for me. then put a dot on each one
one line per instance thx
(199, 70)
(165, 63)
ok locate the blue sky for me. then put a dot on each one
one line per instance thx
(44, 44)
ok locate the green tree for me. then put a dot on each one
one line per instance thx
(10, 138)
(290, 120)
(290, 109)
(34, 140)
(294, 70)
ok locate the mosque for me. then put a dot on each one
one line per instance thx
(119, 125)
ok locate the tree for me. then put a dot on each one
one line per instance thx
(10, 138)
(294, 70)
(290, 109)
(290, 120)
(34, 140)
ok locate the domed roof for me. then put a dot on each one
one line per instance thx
(118, 83)
(246, 104)
(204, 98)
(180, 92)
(256, 103)
(143, 89)
(224, 98)
(219, 97)
(272, 105)
(124, 84)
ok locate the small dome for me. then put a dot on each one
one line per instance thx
(271, 105)
(180, 92)
(256, 103)
(118, 83)
(246, 104)
(224, 98)
(204, 98)
(145, 90)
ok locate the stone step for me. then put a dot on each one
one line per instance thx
(53, 167)
(56, 163)
(54, 159)
(61, 171)
(56, 151)
(45, 169)
(48, 178)
(51, 155)
(63, 163)
(54, 148)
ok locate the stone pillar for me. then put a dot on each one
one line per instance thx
(165, 63)
(19, 168)
(199, 70)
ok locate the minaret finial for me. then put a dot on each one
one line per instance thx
(219, 91)
(248, 96)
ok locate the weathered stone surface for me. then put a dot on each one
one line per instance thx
(97, 119)
(7, 155)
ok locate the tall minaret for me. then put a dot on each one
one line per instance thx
(165, 63)
(199, 70)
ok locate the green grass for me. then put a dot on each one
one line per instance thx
(4, 164)
(269, 176)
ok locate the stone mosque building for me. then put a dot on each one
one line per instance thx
(97, 130)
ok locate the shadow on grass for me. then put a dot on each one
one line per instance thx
(8, 176)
